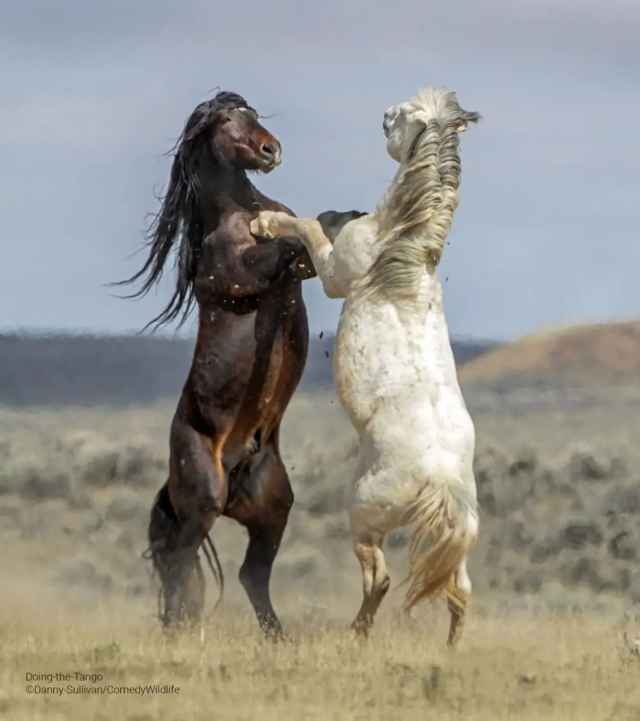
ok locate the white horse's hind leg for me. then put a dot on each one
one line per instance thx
(375, 579)
(458, 596)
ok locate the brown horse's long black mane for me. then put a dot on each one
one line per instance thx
(179, 220)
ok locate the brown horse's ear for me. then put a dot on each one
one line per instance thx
(467, 118)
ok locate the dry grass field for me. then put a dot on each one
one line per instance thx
(556, 588)
(528, 667)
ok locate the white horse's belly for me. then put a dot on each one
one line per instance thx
(409, 444)
(396, 378)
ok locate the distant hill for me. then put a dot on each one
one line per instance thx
(60, 369)
(578, 355)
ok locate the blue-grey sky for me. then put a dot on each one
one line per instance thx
(546, 233)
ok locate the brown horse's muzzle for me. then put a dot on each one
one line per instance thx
(270, 155)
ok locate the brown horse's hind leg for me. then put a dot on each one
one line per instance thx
(183, 514)
(180, 575)
(262, 506)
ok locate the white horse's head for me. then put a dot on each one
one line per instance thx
(404, 123)
(401, 127)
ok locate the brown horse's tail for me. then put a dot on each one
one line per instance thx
(444, 516)
(164, 529)
(216, 570)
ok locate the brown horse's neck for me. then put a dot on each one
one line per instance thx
(223, 188)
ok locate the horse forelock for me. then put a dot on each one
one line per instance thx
(228, 99)
(434, 103)
(204, 114)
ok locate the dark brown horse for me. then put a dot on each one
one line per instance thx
(250, 353)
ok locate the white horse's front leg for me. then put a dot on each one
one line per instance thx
(271, 224)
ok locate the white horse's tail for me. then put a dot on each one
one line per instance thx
(444, 516)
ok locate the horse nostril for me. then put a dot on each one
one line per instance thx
(270, 153)
(268, 150)
(387, 120)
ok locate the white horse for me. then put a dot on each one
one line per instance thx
(393, 364)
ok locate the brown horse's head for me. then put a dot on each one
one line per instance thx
(220, 134)
(237, 138)
(230, 127)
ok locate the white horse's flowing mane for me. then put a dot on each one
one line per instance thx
(416, 213)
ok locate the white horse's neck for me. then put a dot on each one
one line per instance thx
(383, 204)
